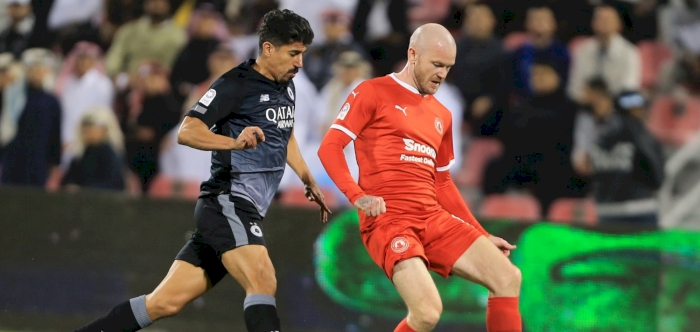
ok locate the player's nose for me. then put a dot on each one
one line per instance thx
(299, 61)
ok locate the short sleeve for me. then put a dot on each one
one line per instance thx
(357, 111)
(446, 154)
(222, 99)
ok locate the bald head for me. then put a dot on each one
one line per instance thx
(431, 54)
(431, 36)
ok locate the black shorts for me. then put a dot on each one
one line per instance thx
(223, 223)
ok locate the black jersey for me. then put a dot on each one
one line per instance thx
(242, 98)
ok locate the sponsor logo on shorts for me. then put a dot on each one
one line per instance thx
(255, 229)
(399, 244)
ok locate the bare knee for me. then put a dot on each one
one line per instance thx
(160, 307)
(508, 282)
(426, 317)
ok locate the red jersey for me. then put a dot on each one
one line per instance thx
(401, 139)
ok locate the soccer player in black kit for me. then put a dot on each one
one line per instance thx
(246, 119)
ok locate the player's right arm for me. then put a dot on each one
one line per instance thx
(356, 114)
(222, 98)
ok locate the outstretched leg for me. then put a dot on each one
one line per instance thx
(250, 265)
(183, 283)
(416, 286)
(486, 265)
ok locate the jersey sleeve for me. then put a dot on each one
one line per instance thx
(357, 111)
(446, 154)
(222, 99)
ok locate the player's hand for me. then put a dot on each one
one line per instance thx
(372, 206)
(502, 244)
(249, 138)
(313, 193)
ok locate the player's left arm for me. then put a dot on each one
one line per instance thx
(296, 161)
(449, 197)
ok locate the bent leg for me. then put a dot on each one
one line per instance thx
(416, 287)
(183, 283)
(251, 266)
(486, 265)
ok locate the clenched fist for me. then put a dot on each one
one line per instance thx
(249, 138)
(372, 206)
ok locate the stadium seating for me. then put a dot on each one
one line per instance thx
(573, 210)
(674, 126)
(653, 55)
(477, 156)
(507, 206)
(166, 187)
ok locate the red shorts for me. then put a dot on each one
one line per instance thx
(438, 237)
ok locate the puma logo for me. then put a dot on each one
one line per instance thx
(401, 109)
(354, 94)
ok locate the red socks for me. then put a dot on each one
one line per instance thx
(403, 327)
(502, 315)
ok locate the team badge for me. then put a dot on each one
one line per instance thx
(255, 229)
(399, 244)
(344, 111)
(290, 92)
(438, 125)
(208, 97)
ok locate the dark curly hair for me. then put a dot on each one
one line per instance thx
(284, 27)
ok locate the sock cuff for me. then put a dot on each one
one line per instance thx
(257, 299)
(504, 300)
(138, 307)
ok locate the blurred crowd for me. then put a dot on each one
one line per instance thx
(570, 110)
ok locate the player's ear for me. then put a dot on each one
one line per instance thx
(412, 55)
(267, 49)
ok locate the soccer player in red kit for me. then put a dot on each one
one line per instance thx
(413, 218)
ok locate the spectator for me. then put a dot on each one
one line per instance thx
(206, 30)
(537, 139)
(608, 55)
(73, 21)
(428, 11)
(19, 35)
(152, 37)
(152, 118)
(182, 162)
(30, 124)
(97, 153)
(679, 195)
(477, 71)
(639, 17)
(320, 57)
(349, 70)
(82, 85)
(541, 26)
(314, 13)
(382, 27)
(624, 160)
(683, 26)
(681, 75)
(116, 13)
